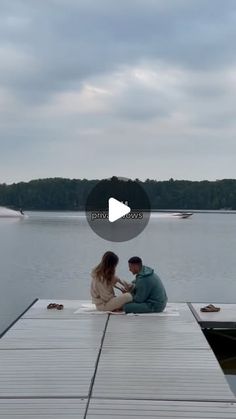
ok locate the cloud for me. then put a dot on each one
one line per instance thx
(83, 39)
(84, 80)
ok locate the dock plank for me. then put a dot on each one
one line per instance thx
(46, 373)
(83, 332)
(144, 366)
(42, 409)
(175, 374)
(128, 409)
(225, 318)
(158, 332)
(39, 310)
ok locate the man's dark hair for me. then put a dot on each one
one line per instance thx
(135, 260)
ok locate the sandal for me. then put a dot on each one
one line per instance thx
(51, 305)
(210, 309)
(54, 305)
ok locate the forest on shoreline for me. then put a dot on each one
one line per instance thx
(71, 194)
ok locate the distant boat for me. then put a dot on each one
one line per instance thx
(172, 214)
(182, 214)
(9, 213)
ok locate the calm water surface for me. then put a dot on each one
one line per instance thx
(50, 255)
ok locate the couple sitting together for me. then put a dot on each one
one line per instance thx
(146, 294)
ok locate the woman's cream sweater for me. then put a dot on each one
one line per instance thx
(102, 292)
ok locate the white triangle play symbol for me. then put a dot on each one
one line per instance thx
(117, 210)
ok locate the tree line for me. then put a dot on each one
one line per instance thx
(72, 194)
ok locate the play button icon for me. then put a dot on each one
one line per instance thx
(117, 210)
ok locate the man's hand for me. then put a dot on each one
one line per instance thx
(120, 288)
(123, 286)
(128, 287)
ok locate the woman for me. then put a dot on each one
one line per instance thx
(103, 283)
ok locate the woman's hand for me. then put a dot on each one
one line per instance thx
(122, 289)
(128, 287)
(125, 286)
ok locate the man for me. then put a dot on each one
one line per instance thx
(148, 292)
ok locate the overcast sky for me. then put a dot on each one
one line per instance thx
(95, 88)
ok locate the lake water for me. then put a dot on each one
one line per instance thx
(50, 255)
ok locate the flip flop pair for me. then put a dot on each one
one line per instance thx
(210, 309)
(54, 305)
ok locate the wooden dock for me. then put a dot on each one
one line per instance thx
(223, 319)
(58, 364)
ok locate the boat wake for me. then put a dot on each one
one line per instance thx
(9, 213)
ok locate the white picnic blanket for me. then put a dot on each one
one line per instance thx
(89, 308)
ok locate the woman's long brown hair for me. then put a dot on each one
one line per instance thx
(105, 271)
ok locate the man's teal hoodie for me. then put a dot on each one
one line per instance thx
(149, 288)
